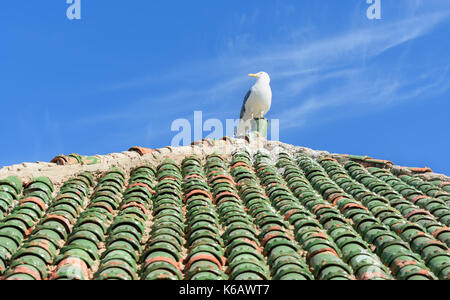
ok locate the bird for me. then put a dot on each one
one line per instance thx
(257, 102)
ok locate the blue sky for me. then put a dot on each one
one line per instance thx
(119, 76)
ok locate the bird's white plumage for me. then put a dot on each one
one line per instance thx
(257, 102)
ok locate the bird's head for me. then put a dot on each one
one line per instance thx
(261, 76)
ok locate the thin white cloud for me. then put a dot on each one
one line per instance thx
(350, 46)
(360, 94)
(297, 67)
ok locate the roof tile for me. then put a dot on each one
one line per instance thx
(248, 215)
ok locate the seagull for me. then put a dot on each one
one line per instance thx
(257, 102)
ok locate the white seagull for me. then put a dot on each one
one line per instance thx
(257, 102)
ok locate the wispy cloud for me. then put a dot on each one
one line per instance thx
(300, 69)
(359, 95)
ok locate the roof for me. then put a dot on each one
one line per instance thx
(224, 209)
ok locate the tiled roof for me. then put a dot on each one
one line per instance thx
(246, 212)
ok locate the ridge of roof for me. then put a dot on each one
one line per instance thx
(135, 156)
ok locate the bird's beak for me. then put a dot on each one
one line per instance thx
(252, 75)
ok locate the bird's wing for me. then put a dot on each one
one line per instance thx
(245, 103)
